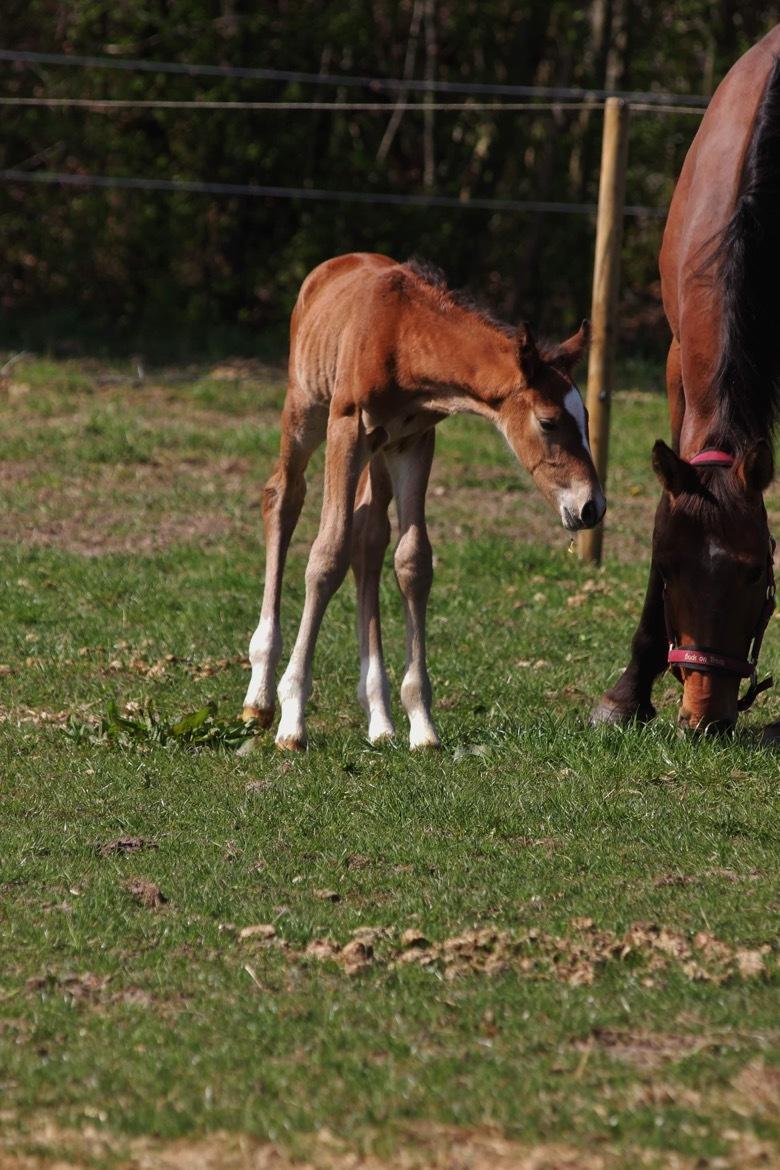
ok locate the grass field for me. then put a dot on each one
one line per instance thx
(542, 947)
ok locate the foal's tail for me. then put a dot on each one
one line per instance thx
(747, 260)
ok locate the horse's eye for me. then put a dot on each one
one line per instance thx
(548, 424)
(754, 574)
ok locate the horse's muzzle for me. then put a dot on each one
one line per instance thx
(704, 726)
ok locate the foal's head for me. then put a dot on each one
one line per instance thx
(546, 423)
(711, 546)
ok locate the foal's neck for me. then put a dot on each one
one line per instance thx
(463, 364)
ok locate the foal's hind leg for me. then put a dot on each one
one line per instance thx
(369, 542)
(409, 466)
(303, 429)
(345, 457)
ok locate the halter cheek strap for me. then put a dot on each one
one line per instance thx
(702, 658)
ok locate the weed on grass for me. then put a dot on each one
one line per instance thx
(145, 727)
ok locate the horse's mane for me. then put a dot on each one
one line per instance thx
(747, 271)
(434, 276)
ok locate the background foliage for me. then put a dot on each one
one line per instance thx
(163, 272)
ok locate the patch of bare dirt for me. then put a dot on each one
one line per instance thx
(121, 658)
(648, 1051)
(35, 717)
(661, 1095)
(77, 987)
(134, 508)
(756, 1091)
(145, 893)
(13, 471)
(122, 845)
(101, 529)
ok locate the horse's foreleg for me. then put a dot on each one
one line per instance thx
(328, 562)
(369, 542)
(409, 470)
(283, 496)
(630, 698)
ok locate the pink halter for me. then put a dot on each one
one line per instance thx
(712, 458)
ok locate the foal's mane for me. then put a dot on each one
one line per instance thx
(746, 263)
(435, 278)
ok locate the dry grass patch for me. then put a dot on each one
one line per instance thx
(419, 1147)
(576, 958)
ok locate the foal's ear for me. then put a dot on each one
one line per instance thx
(527, 353)
(756, 469)
(675, 475)
(569, 353)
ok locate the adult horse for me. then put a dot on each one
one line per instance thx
(711, 588)
(380, 352)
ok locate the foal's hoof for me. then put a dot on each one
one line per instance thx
(607, 711)
(262, 716)
(291, 743)
(429, 743)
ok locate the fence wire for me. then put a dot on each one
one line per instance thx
(391, 84)
(262, 191)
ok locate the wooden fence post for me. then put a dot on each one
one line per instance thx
(606, 282)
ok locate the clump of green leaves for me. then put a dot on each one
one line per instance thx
(147, 727)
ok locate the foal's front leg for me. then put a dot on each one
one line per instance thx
(345, 456)
(409, 467)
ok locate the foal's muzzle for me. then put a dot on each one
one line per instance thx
(586, 516)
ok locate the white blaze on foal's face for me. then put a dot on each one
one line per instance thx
(578, 502)
(574, 406)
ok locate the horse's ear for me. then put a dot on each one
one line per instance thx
(569, 353)
(756, 469)
(675, 475)
(527, 353)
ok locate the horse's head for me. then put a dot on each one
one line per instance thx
(711, 547)
(546, 424)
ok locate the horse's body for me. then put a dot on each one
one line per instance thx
(380, 352)
(711, 576)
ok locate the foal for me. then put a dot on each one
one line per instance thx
(380, 352)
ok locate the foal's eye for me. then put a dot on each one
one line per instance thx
(548, 424)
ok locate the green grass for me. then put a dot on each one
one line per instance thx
(130, 534)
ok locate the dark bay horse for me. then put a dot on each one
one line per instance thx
(380, 352)
(711, 588)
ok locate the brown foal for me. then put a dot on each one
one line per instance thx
(380, 352)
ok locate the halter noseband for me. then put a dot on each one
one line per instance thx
(705, 660)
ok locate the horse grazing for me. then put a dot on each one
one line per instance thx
(711, 588)
(380, 352)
